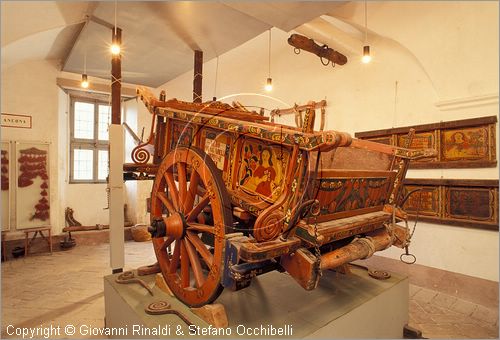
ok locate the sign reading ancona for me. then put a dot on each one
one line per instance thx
(16, 121)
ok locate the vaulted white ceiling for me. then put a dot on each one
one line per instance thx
(158, 37)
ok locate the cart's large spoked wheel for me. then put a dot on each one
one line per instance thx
(190, 203)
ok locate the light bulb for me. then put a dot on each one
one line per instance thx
(115, 49)
(85, 82)
(269, 85)
(366, 55)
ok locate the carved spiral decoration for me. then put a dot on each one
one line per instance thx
(158, 307)
(379, 274)
(269, 228)
(139, 155)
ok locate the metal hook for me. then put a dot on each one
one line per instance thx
(411, 256)
(327, 61)
(296, 50)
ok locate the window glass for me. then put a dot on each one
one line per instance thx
(84, 120)
(104, 118)
(83, 164)
(103, 167)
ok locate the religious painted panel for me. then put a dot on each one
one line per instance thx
(425, 202)
(421, 140)
(467, 143)
(469, 203)
(262, 169)
(217, 145)
(461, 202)
(182, 135)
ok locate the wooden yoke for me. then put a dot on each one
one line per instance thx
(304, 43)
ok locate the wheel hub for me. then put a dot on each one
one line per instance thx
(175, 225)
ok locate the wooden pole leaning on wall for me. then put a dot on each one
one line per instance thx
(116, 79)
(198, 76)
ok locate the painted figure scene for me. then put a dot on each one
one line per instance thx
(262, 170)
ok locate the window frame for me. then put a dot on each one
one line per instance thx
(87, 144)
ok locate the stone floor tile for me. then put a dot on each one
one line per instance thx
(443, 300)
(414, 290)
(463, 307)
(432, 330)
(448, 318)
(424, 295)
(473, 330)
(433, 309)
(487, 315)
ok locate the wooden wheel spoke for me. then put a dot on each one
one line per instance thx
(198, 208)
(167, 243)
(201, 228)
(184, 265)
(188, 192)
(172, 189)
(195, 263)
(174, 263)
(182, 178)
(193, 190)
(164, 199)
(201, 248)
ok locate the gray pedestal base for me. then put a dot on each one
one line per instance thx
(343, 306)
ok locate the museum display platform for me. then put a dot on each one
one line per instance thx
(342, 306)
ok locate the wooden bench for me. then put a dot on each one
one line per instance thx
(36, 231)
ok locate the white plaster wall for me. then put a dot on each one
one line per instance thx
(22, 94)
(30, 88)
(437, 51)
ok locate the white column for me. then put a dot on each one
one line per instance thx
(116, 199)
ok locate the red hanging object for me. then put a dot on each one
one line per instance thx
(5, 170)
(33, 164)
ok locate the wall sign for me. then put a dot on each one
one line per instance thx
(468, 143)
(16, 121)
(462, 202)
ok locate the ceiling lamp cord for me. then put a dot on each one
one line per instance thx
(215, 83)
(85, 82)
(366, 48)
(116, 5)
(115, 45)
(269, 81)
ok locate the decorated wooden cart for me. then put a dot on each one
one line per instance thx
(236, 195)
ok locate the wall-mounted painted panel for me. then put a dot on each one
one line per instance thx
(468, 143)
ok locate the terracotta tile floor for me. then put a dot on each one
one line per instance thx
(67, 287)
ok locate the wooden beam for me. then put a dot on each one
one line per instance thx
(73, 84)
(116, 79)
(198, 76)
